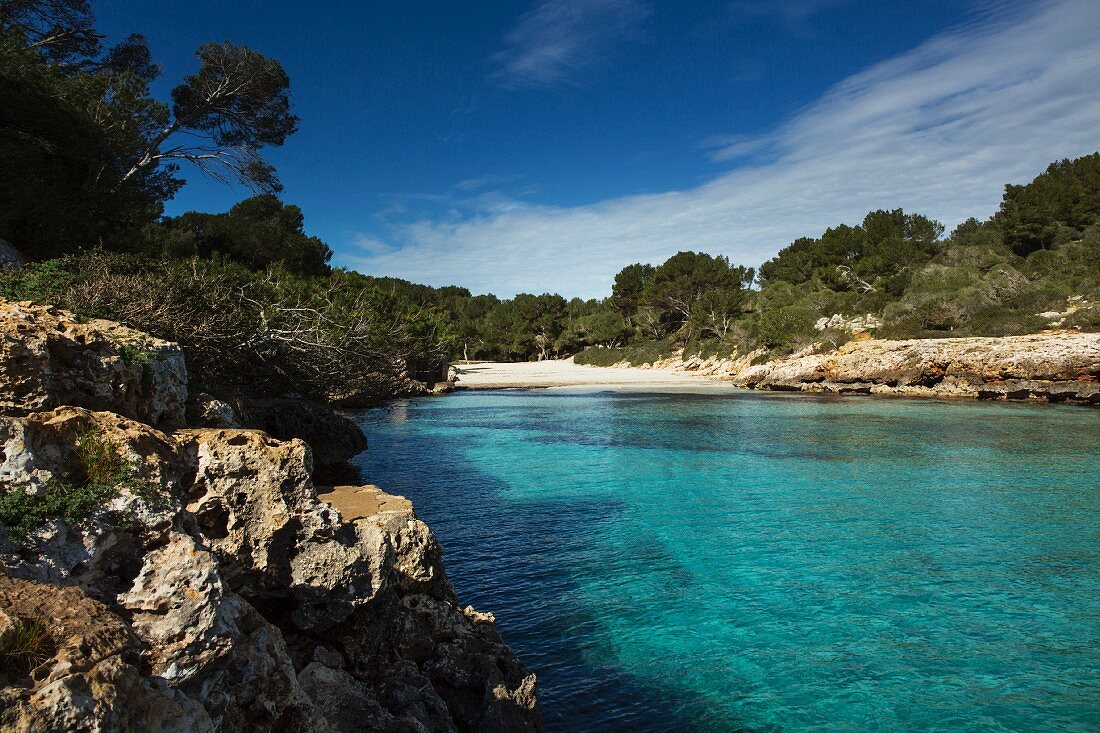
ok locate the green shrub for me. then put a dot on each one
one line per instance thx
(784, 327)
(340, 337)
(101, 473)
(641, 352)
(26, 646)
(134, 353)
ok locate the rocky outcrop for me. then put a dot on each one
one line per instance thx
(86, 675)
(333, 437)
(1059, 367)
(197, 580)
(49, 358)
(715, 365)
(240, 599)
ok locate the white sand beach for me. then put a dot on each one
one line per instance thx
(554, 373)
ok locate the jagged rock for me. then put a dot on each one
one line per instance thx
(246, 602)
(50, 358)
(206, 411)
(102, 553)
(856, 324)
(88, 676)
(259, 513)
(214, 645)
(1050, 366)
(333, 437)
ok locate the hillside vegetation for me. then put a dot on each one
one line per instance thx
(1033, 265)
(92, 156)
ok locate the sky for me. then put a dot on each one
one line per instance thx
(542, 145)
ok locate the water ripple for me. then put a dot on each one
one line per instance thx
(770, 563)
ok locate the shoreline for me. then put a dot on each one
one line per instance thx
(565, 374)
(1052, 366)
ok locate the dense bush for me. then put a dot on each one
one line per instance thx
(1053, 209)
(340, 338)
(640, 352)
(258, 232)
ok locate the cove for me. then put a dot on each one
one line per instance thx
(758, 562)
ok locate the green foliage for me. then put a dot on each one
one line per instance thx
(237, 103)
(1054, 208)
(134, 354)
(44, 282)
(257, 232)
(101, 473)
(90, 155)
(639, 352)
(876, 255)
(27, 645)
(630, 283)
(785, 326)
(677, 286)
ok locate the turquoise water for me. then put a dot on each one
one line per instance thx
(770, 562)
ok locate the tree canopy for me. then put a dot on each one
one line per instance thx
(257, 232)
(1055, 207)
(91, 155)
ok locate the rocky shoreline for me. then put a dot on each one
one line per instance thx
(1052, 367)
(1059, 366)
(181, 578)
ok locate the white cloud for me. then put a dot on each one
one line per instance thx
(794, 12)
(938, 130)
(557, 39)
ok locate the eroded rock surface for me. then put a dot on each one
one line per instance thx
(87, 674)
(1059, 367)
(218, 592)
(50, 358)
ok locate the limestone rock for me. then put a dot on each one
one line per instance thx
(50, 358)
(215, 646)
(206, 411)
(333, 437)
(87, 677)
(221, 592)
(1057, 367)
(259, 513)
(101, 552)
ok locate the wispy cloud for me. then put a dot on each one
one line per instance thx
(794, 12)
(558, 39)
(937, 130)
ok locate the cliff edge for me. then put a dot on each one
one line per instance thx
(197, 580)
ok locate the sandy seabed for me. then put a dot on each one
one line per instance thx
(563, 373)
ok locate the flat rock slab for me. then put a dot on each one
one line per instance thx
(360, 502)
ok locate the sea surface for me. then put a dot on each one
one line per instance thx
(763, 562)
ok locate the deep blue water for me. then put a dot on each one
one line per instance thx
(762, 562)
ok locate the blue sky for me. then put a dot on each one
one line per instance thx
(541, 145)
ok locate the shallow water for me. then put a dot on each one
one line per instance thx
(769, 562)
